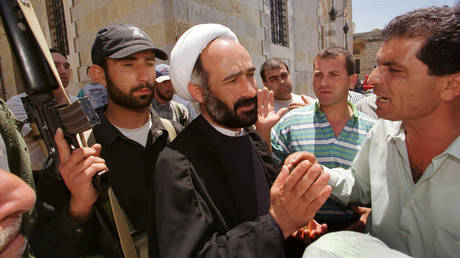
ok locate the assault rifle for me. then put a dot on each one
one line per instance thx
(41, 79)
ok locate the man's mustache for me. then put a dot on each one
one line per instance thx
(142, 86)
(244, 102)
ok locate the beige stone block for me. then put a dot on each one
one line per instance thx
(119, 8)
(162, 33)
(230, 7)
(85, 57)
(170, 32)
(299, 56)
(209, 3)
(250, 15)
(181, 27)
(141, 4)
(252, 45)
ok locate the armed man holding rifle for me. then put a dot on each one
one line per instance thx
(73, 220)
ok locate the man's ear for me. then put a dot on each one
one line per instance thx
(264, 83)
(451, 87)
(98, 74)
(196, 92)
(353, 80)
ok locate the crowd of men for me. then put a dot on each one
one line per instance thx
(246, 178)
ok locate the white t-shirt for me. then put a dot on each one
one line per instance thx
(139, 135)
(294, 99)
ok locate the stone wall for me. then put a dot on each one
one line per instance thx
(366, 46)
(165, 20)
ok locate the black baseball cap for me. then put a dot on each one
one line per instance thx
(122, 40)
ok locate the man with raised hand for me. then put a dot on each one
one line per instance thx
(213, 193)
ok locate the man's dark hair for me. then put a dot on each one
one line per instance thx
(440, 27)
(54, 50)
(335, 51)
(270, 64)
(199, 76)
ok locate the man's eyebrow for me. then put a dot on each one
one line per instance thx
(387, 63)
(131, 58)
(273, 77)
(233, 75)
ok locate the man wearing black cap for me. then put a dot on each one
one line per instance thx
(73, 221)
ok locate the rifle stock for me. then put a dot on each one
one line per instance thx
(40, 80)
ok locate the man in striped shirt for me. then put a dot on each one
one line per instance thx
(332, 128)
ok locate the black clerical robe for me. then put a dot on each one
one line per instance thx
(211, 197)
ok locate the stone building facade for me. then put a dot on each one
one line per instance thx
(365, 48)
(304, 26)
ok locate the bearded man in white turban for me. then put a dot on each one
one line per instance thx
(214, 190)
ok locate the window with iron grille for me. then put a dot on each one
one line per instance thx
(56, 20)
(278, 13)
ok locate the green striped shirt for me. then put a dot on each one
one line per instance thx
(307, 129)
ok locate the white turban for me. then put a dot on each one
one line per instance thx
(186, 51)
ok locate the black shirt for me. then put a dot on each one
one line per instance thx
(130, 168)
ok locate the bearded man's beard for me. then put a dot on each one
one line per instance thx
(128, 101)
(223, 115)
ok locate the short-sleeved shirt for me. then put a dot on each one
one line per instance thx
(307, 129)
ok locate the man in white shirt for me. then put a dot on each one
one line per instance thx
(277, 78)
(407, 168)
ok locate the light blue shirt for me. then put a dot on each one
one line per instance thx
(422, 219)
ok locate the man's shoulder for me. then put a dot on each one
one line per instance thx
(190, 142)
(386, 128)
(365, 120)
(16, 99)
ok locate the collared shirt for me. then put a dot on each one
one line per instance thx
(164, 110)
(419, 219)
(130, 165)
(367, 106)
(172, 111)
(227, 132)
(307, 129)
(354, 97)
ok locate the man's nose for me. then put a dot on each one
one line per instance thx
(144, 73)
(61, 69)
(16, 195)
(325, 81)
(375, 77)
(248, 87)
